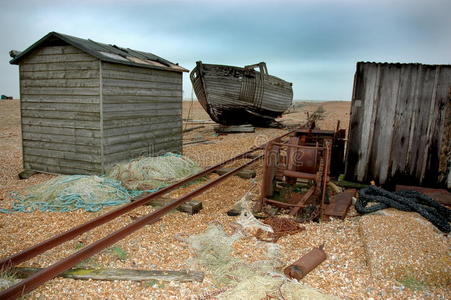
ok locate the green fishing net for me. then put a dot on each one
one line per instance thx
(153, 172)
(237, 279)
(122, 183)
(71, 192)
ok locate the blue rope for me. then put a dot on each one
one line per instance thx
(71, 202)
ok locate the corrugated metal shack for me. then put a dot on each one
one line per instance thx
(400, 126)
(86, 105)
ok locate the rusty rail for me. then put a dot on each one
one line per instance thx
(46, 245)
(54, 270)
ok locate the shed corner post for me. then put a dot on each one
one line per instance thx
(181, 115)
(21, 115)
(351, 161)
(102, 152)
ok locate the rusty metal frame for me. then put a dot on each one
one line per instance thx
(300, 204)
(299, 140)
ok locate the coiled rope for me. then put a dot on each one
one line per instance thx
(405, 200)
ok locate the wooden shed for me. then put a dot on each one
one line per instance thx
(400, 125)
(86, 105)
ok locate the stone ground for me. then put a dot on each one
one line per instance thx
(391, 256)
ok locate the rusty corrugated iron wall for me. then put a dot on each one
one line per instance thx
(400, 125)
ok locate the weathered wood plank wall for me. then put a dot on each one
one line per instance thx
(80, 115)
(400, 124)
(60, 111)
(141, 112)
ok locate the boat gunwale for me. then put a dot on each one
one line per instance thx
(200, 80)
(241, 68)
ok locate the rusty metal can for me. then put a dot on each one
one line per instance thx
(306, 263)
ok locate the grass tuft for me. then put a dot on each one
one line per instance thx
(119, 252)
(413, 283)
(79, 245)
(7, 278)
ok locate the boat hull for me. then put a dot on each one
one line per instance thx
(233, 95)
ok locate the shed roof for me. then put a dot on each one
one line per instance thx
(104, 52)
(401, 63)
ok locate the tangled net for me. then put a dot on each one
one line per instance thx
(238, 279)
(150, 173)
(124, 182)
(68, 193)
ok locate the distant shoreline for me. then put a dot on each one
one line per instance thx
(186, 100)
(297, 100)
(321, 100)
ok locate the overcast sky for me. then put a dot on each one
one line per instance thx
(312, 43)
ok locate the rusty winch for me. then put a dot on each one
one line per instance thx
(297, 169)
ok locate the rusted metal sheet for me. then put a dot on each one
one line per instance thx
(339, 204)
(306, 263)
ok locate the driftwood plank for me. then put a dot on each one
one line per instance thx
(119, 274)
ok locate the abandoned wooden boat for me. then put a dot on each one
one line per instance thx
(233, 95)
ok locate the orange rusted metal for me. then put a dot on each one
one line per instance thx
(339, 204)
(304, 157)
(306, 263)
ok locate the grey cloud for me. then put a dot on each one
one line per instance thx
(314, 44)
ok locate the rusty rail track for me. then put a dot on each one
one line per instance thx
(46, 245)
(37, 279)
